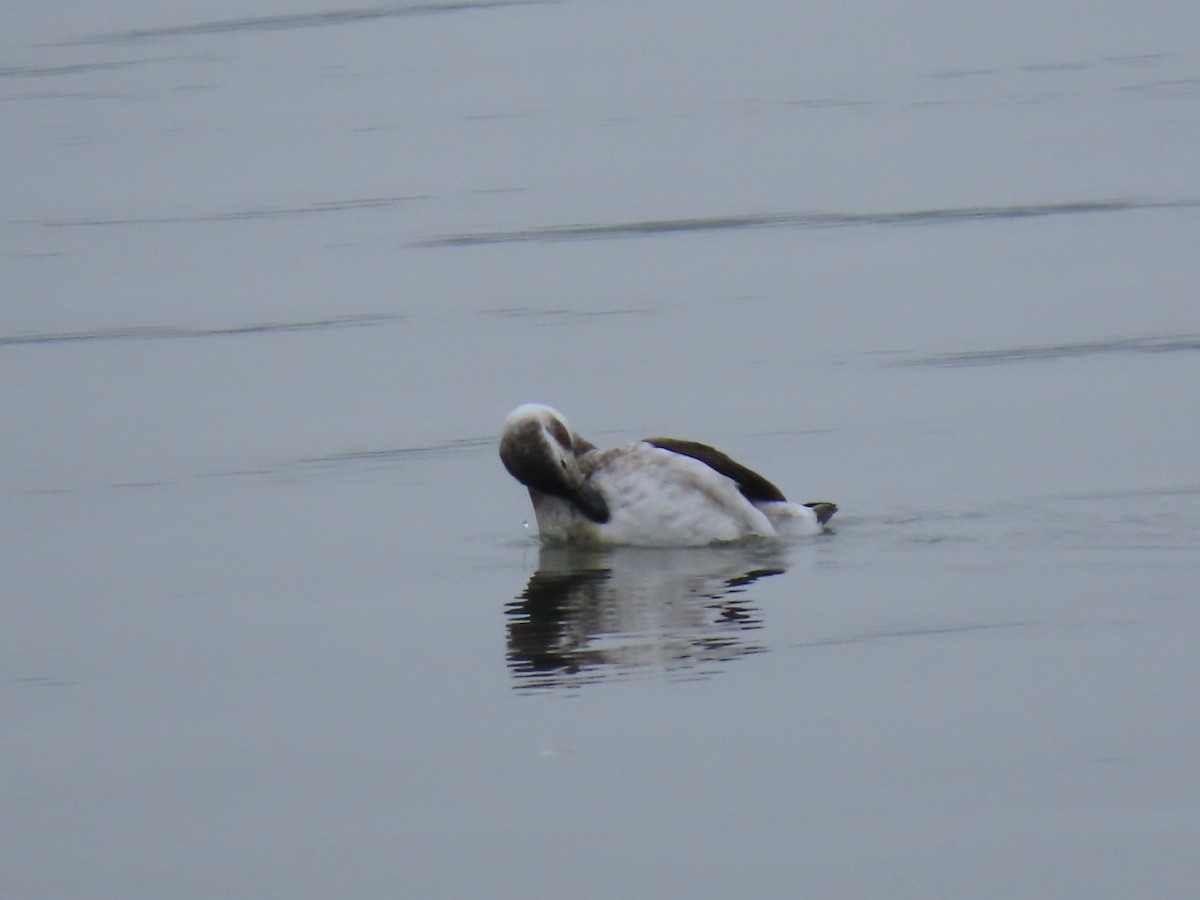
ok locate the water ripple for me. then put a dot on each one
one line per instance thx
(1151, 344)
(794, 220)
(332, 463)
(917, 631)
(398, 454)
(167, 332)
(241, 215)
(303, 20)
(68, 69)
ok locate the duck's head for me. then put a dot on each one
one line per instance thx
(539, 449)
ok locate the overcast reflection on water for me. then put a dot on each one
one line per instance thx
(273, 274)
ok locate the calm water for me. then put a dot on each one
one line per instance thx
(274, 624)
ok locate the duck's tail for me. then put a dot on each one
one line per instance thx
(824, 510)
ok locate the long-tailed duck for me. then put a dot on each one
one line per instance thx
(659, 492)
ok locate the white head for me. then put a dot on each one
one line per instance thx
(539, 449)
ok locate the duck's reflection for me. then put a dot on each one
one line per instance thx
(593, 614)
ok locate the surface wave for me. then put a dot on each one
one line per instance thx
(301, 20)
(168, 332)
(241, 215)
(1149, 344)
(794, 220)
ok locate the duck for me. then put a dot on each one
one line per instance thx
(657, 492)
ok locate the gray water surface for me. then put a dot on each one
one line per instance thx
(275, 622)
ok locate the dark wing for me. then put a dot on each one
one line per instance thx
(752, 485)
